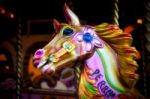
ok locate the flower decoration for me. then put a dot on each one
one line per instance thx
(89, 39)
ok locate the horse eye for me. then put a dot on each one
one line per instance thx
(68, 31)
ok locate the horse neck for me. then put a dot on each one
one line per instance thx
(105, 71)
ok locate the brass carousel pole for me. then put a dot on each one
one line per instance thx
(116, 12)
(19, 61)
(146, 58)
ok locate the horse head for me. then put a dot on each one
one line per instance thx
(110, 65)
(72, 42)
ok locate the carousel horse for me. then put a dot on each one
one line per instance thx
(108, 59)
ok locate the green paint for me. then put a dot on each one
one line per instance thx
(115, 87)
(83, 97)
(90, 88)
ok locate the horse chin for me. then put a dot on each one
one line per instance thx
(51, 68)
(48, 69)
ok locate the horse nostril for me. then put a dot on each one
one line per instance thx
(36, 63)
(39, 53)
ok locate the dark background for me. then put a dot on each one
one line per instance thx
(89, 11)
(93, 12)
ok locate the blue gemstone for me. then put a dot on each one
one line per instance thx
(87, 37)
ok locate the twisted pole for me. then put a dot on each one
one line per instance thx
(144, 65)
(116, 12)
(77, 78)
(147, 46)
(19, 62)
(147, 24)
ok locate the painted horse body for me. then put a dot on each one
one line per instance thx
(105, 51)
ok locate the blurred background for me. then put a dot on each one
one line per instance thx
(26, 25)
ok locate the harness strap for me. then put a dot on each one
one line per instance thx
(68, 47)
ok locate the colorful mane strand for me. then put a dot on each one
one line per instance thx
(121, 44)
(86, 88)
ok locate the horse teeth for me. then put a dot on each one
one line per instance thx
(41, 63)
(36, 62)
(46, 68)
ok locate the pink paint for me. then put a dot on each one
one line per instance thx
(95, 64)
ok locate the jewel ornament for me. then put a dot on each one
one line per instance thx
(87, 37)
(39, 53)
(67, 47)
(53, 58)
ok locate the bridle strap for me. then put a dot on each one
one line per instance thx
(68, 47)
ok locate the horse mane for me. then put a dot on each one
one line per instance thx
(120, 42)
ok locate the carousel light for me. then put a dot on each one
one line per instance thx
(2, 11)
(139, 21)
(7, 67)
(6, 13)
(12, 15)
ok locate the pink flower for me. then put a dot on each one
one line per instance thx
(89, 39)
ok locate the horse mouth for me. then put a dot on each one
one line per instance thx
(52, 64)
(49, 61)
(43, 64)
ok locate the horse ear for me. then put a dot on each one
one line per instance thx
(56, 24)
(70, 16)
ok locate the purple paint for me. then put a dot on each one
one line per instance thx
(39, 53)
